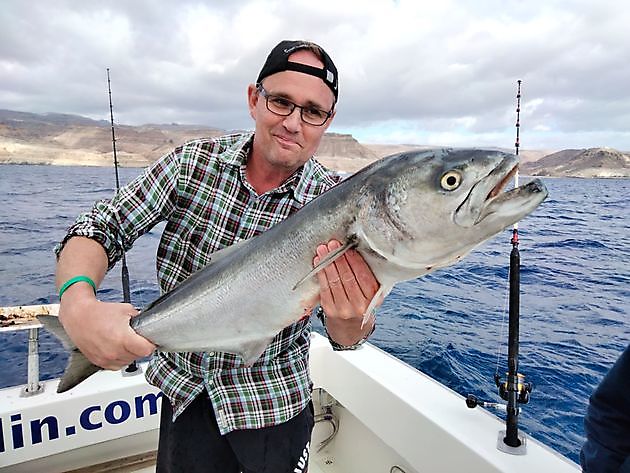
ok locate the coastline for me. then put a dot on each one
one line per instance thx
(336, 163)
(340, 164)
(338, 152)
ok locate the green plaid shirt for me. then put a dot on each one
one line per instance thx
(201, 191)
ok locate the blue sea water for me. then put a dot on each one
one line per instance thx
(452, 324)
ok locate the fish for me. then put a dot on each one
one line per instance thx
(408, 215)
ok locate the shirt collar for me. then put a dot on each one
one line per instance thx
(236, 155)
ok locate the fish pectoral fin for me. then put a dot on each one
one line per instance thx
(381, 294)
(79, 367)
(329, 259)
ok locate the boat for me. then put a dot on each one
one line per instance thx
(374, 414)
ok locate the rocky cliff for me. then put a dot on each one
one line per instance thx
(592, 162)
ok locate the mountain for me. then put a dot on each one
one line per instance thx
(592, 162)
(64, 139)
(61, 139)
(51, 119)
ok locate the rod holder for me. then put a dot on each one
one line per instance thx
(133, 369)
(521, 449)
(33, 386)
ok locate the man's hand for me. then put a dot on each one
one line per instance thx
(101, 329)
(346, 289)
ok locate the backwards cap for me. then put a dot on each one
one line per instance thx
(278, 61)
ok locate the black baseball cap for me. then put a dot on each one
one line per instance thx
(278, 61)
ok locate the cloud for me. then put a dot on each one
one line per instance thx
(417, 71)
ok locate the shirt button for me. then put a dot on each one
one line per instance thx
(211, 353)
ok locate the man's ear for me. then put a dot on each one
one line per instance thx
(252, 100)
(329, 121)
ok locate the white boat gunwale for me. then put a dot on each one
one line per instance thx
(391, 417)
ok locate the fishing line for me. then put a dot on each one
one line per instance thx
(503, 325)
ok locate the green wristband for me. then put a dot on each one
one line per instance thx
(73, 280)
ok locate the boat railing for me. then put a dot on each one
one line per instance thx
(25, 318)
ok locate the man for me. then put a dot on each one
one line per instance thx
(607, 422)
(219, 415)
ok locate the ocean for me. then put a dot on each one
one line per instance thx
(451, 324)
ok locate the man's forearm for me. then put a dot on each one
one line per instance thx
(81, 256)
(100, 330)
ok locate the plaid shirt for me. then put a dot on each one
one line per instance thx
(201, 190)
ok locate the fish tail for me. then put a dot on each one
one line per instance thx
(79, 367)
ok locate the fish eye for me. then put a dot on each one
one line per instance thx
(451, 180)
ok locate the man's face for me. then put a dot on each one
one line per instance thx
(286, 143)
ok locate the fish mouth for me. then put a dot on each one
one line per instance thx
(487, 197)
(496, 190)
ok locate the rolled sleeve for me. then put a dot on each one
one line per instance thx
(133, 211)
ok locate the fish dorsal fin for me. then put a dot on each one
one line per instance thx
(228, 250)
(214, 259)
(329, 259)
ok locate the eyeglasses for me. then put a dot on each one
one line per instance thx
(284, 107)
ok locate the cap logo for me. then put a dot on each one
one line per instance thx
(295, 48)
(330, 77)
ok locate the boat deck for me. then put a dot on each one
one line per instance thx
(144, 463)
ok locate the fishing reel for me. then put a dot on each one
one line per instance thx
(522, 388)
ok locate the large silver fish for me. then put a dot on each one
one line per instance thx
(407, 214)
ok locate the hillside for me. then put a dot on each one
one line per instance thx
(592, 162)
(72, 140)
(59, 139)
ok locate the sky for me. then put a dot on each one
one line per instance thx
(440, 73)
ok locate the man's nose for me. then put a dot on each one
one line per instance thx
(293, 121)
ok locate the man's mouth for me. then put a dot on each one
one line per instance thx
(286, 141)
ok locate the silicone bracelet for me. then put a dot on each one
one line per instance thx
(74, 280)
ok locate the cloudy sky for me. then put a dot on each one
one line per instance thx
(411, 71)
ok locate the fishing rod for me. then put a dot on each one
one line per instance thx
(514, 390)
(133, 367)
